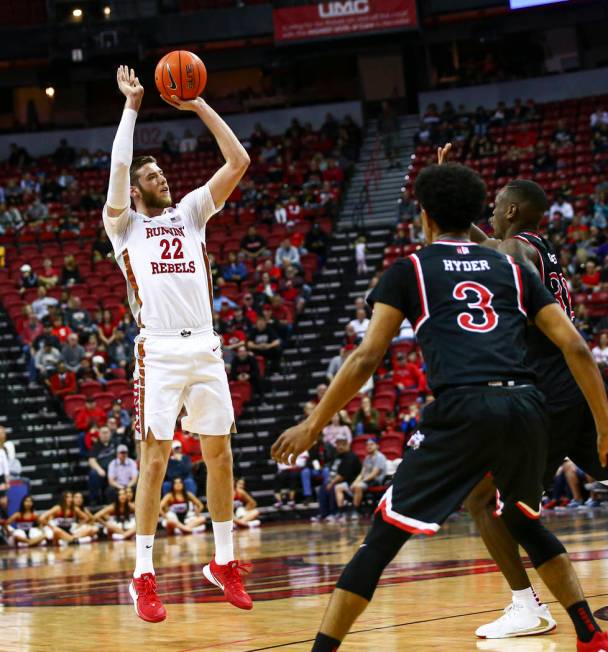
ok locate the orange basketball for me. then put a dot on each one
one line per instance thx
(180, 73)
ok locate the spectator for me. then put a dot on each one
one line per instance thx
(360, 251)
(46, 360)
(244, 367)
(70, 274)
(336, 363)
(188, 143)
(564, 207)
(600, 352)
(598, 119)
(48, 276)
(280, 214)
(360, 324)
(119, 350)
(62, 382)
(406, 375)
(408, 208)
(562, 136)
(64, 154)
(42, 304)
(122, 417)
(122, 472)
(344, 468)
(102, 453)
(181, 510)
(60, 330)
(106, 330)
(366, 419)
(591, 278)
(372, 474)
(264, 340)
(14, 465)
(543, 159)
(253, 245)
(102, 247)
(72, 353)
(78, 319)
(24, 525)
(90, 414)
(317, 242)
(10, 218)
(388, 128)
(246, 513)
(409, 420)
(286, 255)
(28, 278)
(179, 466)
(335, 430)
(288, 478)
(37, 211)
(235, 270)
(120, 515)
(31, 329)
(317, 466)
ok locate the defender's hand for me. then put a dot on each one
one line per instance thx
(185, 105)
(292, 442)
(129, 85)
(443, 153)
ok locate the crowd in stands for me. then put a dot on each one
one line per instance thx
(67, 297)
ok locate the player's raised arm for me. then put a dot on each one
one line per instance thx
(118, 199)
(225, 180)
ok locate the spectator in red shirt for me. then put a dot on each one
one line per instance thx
(591, 277)
(406, 375)
(525, 138)
(31, 329)
(89, 413)
(60, 330)
(232, 338)
(62, 382)
(249, 309)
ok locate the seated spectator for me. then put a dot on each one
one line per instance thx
(72, 353)
(598, 119)
(235, 270)
(27, 279)
(336, 363)
(335, 430)
(543, 160)
(366, 419)
(179, 466)
(320, 457)
(37, 211)
(118, 518)
(102, 453)
(122, 472)
(409, 420)
(317, 242)
(600, 352)
(219, 300)
(122, 417)
(46, 360)
(253, 245)
(344, 468)
(120, 350)
(232, 339)
(106, 330)
(181, 510)
(372, 474)
(562, 136)
(246, 513)
(525, 137)
(102, 247)
(70, 273)
(10, 218)
(351, 339)
(77, 318)
(244, 366)
(90, 413)
(48, 276)
(286, 255)
(320, 390)
(591, 278)
(8, 448)
(62, 382)
(24, 525)
(287, 479)
(60, 330)
(42, 304)
(406, 332)
(360, 324)
(281, 317)
(562, 206)
(31, 329)
(280, 214)
(406, 375)
(264, 340)
(120, 434)
(508, 166)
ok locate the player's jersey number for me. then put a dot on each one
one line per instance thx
(482, 318)
(559, 287)
(177, 249)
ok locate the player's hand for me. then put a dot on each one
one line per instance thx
(292, 442)
(129, 85)
(443, 153)
(602, 446)
(185, 105)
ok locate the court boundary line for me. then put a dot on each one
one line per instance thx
(413, 622)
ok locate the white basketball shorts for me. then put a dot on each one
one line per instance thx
(176, 369)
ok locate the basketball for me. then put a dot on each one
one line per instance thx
(180, 73)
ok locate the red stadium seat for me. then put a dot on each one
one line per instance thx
(90, 387)
(104, 400)
(73, 403)
(117, 387)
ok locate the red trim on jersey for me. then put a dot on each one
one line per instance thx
(519, 286)
(531, 244)
(141, 388)
(421, 293)
(132, 283)
(406, 523)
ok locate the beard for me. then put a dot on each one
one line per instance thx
(154, 200)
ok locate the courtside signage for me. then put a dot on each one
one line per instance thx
(342, 18)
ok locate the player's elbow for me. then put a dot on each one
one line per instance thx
(576, 347)
(367, 359)
(240, 162)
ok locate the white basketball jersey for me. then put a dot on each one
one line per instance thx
(165, 264)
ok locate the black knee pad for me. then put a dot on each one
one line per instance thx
(363, 572)
(540, 544)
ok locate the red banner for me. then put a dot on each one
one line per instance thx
(342, 17)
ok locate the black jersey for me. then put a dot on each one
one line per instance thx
(554, 377)
(470, 307)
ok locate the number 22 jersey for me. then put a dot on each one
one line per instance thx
(164, 261)
(470, 306)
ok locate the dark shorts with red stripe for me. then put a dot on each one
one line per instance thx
(572, 434)
(464, 434)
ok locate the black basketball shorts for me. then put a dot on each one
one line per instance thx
(465, 434)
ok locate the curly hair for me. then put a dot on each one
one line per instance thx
(452, 195)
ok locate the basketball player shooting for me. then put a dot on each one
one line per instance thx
(161, 251)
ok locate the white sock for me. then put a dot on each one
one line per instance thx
(526, 596)
(222, 534)
(143, 545)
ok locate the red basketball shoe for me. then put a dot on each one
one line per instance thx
(228, 578)
(148, 605)
(599, 643)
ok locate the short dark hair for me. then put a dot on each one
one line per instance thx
(137, 163)
(528, 192)
(453, 195)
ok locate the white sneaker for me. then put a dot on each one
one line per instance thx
(519, 619)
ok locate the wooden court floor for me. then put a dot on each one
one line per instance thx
(432, 597)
